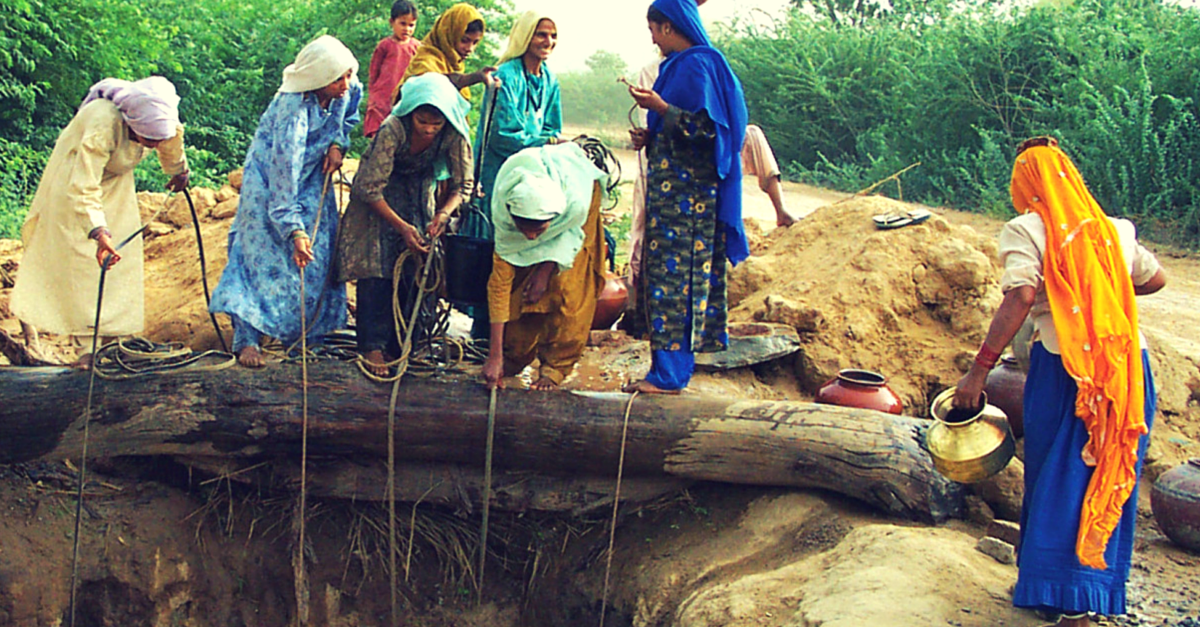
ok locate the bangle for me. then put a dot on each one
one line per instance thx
(987, 357)
(98, 231)
(299, 234)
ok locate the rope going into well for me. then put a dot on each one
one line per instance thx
(87, 413)
(612, 531)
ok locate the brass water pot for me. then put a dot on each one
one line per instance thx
(968, 445)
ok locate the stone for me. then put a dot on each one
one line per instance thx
(997, 549)
(752, 343)
(235, 179)
(180, 214)
(225, 209)
(225, 193)
(1005, 490)
(158, 229)
(1005, 530)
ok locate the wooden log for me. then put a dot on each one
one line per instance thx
(255, 415)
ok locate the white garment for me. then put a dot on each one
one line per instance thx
(88, 183)
(1022, 248)
(322, 61)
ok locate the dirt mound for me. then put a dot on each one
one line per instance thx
(911, 303)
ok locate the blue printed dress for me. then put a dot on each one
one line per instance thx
(528, 113)
(281, 191)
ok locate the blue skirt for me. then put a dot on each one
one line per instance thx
(1050, 577)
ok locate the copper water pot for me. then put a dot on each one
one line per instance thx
(1005, 388)
(860, 388)
(610, 303)
(1175, 501)
(968, 445)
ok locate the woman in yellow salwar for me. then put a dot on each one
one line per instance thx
(548, 266)
(445, 49)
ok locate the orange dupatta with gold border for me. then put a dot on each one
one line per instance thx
(1095, 315)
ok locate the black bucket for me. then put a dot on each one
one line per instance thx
(468, 268)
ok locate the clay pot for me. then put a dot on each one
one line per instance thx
(1005, 388)
(860, 388)
(1175, 501)
(610, 303)
(968, 445)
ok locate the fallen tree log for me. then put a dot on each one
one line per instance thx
(254, 416)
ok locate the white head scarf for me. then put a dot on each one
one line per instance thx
(521, 34)
(552, 183)
(321, 62)
(150, 106)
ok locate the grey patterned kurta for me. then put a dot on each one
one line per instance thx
(368, 246)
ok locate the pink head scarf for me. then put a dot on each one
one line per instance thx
(150, 106)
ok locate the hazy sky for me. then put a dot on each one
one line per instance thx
(620, 26)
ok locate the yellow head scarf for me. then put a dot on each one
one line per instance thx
(1092, 303)
(437, 52)
(521, 35)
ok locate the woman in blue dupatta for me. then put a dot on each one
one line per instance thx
(299, 142)
(395, 204)
(696, 124)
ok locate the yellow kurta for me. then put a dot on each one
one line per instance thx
(555, 328)
(88, 183)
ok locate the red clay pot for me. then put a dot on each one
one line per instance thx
(1175, 501)
(860, 388)
(1005, 388)
(610, 303)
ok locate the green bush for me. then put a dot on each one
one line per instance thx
(1113, 79)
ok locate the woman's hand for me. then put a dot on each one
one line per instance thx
(333, 159)
(105, 250)
(485, 76)
(639, 137)
(412, 237)
(968, 393)
(648, 99)
(438, 225)
(179, 182)
(302, 252)
(493, 371)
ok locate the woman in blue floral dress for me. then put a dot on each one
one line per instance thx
(693, 140)
(299, 142)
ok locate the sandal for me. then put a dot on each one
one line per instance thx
(888, 221)
(919, 215)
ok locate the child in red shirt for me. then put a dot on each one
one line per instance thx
(388, 64)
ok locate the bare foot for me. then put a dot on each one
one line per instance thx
(376, 363)
(83, 362)
(645, 387)
(544, 384)
(251, 357)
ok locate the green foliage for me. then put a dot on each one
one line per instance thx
(595, 99)
(956, 90)
(225, 58)
(20, 168)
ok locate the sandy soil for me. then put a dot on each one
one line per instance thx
(164, 547)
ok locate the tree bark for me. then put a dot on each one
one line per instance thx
(572, 441)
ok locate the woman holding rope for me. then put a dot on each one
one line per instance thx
(410, 182)
(87, 192)
(696, 125)
(299, 143)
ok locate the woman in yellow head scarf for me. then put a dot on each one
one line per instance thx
(452, 39)
(1089, 396)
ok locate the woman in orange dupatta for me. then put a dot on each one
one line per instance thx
(454, 36)
(1089, 396)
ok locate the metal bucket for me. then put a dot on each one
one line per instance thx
(468, 268)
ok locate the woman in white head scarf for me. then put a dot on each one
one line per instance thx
(87, 192)
(299, 143)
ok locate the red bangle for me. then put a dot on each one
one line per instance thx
(987, 357)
